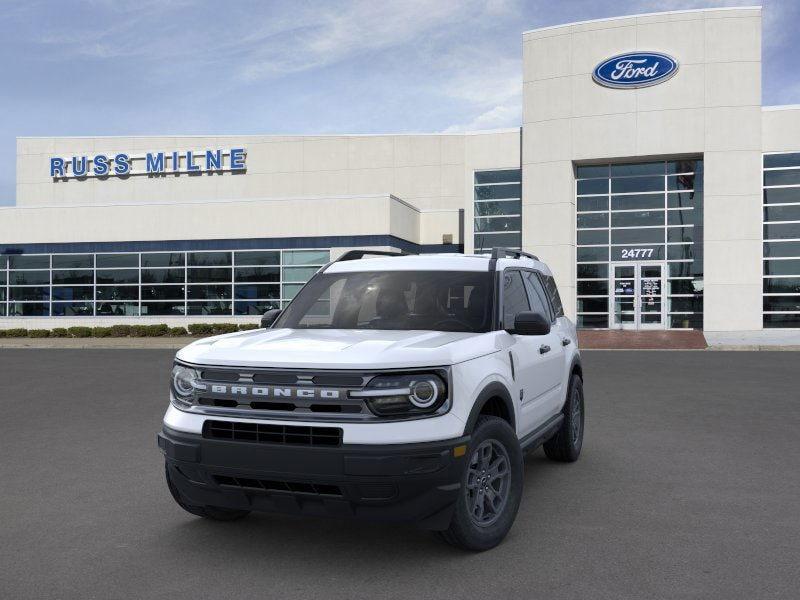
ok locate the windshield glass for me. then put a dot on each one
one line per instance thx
(432, 300)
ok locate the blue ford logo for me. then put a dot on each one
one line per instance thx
(635, 70)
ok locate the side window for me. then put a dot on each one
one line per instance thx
(537, 295)
(552, 291)
(515, 300)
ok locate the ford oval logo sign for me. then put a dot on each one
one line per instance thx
(635, 70)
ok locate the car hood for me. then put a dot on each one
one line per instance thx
(338, 348)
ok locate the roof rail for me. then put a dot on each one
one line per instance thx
(506, 252)
(358, 254)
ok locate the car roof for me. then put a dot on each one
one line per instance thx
(433, 262)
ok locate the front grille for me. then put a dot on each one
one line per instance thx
(293, 395)
(269, 485)
(264, 433)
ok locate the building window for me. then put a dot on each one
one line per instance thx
(498, 210)
(781, 281)
(130, 284)
(640, 213)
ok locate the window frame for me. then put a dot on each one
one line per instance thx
(499, 311)
(772, 319)
(286, 258)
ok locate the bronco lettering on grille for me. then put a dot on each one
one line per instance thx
(275, 392)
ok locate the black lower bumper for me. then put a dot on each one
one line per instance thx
(416, 483)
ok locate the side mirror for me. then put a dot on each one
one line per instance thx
(270, 317)
(530, 323)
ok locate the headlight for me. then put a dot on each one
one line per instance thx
(185, 381)
(405, 394)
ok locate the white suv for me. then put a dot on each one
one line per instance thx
(399, 388)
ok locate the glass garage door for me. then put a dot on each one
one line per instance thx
(640, 214)
(781, 301)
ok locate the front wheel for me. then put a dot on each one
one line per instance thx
(566, 444)
(491, 488)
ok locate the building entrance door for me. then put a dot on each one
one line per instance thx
(637, 295)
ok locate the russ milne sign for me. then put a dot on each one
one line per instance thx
(151, 163)
(635, 70)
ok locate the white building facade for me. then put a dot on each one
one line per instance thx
(658, 188)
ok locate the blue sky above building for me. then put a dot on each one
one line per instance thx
(160, 67)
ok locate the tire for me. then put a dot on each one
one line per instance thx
(476, 524)
(215, 513)
(566, 444)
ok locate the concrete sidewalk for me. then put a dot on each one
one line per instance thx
(765, 339)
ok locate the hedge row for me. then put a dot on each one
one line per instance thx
(196, 329)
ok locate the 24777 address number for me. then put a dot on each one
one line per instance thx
(637, 252)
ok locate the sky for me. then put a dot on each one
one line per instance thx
(172, 67)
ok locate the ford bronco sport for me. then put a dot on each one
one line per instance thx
(397, 388)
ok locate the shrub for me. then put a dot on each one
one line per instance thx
(220, 328)
(201, 328)
(2, 333)
(101, 332)
(38, 333)
(59, 332)
(16, 332)
(177, 331)
(149, 330)
(248, 326)
(80, 332)
(138, 331)
(120, 330)
(157, 330)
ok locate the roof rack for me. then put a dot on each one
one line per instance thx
(506, 252)
(358, 254)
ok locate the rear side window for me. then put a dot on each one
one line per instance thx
(552, 292)
(537, 295)
(515, 300)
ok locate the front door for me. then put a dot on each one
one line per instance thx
(637, 299)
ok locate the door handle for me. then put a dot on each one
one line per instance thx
(544, 349)
(566, 342)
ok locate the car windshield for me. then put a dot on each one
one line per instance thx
(404, 300)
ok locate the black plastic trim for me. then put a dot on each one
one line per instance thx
(359, 254)
(575, 364)
(492, 390)
(541, 434)
(415, 483)
(506, 252)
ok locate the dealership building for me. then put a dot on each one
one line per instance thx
(645, 172)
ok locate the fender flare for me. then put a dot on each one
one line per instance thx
(575, 368)
(495, 389)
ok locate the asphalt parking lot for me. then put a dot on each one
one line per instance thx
(688, 487)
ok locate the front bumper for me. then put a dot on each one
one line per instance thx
(416, 483)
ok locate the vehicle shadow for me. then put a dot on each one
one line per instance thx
(326, 540)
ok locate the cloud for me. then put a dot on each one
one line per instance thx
(492, 95)
(332, 35)
(497, 117)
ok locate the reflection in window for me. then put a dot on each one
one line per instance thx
(154, 283)
(497, 210)
(163, 259)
